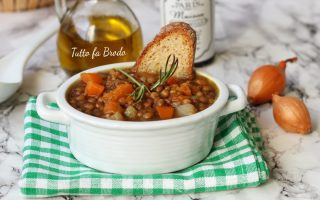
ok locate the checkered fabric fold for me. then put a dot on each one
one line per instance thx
(49, 168)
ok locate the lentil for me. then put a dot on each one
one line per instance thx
(197, 95)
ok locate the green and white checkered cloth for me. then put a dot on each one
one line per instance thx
(49, 168)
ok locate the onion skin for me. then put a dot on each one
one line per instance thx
(291, 114)
(266, 81)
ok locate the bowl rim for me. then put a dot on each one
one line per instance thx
(73, 113)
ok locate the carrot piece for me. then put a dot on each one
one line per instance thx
(129, 99)
(185, 89)
(111, 107)
(165, 112)
(94, 89)
(93, 77)
(122, 90)
(171, 81)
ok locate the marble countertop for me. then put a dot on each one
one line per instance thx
(249, 33)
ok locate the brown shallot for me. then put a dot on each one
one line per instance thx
(266, 81)
(291, 114)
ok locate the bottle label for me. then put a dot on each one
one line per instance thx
(197, 13)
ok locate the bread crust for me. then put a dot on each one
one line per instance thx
(172, 28)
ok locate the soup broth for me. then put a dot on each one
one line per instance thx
(171, 100)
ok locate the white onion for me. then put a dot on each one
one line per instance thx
(130, 112)
(117, 116)
(185, 110)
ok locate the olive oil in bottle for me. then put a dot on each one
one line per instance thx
(101, 40)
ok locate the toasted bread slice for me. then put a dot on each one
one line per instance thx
(177, 38)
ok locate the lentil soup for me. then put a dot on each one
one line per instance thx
(111, 95)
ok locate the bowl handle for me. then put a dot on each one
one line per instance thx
(47, 113)
(234, 105)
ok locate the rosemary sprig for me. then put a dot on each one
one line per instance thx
(138, 93)
(168, 71)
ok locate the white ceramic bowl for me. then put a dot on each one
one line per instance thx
(139, 147)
